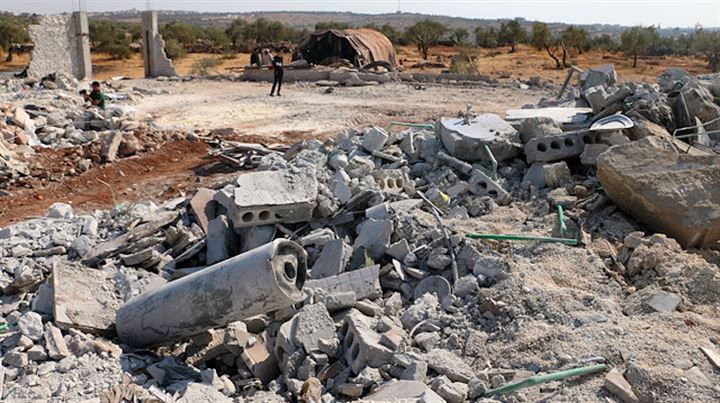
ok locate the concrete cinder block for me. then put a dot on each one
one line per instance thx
(361, 346)
(481, 185)
(392, 180)
(268, 197)
(466, 141)
(677, 194)
(555, 148)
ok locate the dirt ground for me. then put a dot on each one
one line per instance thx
(303, 112)
(497, 63)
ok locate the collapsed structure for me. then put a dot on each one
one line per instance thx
(155, 59)
(61, 46)
(349, 269)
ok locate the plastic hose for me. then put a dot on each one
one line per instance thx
(493, 161)
(498, 237)
(561, 218)
(538, 379)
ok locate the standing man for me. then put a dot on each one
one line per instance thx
(277, 66)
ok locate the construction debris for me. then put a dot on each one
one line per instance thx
(378, 266)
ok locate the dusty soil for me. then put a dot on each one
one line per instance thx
(303, 112)
(497, 63)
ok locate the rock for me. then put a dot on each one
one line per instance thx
(616, 384)
(556, 174)
(374, 235)
(664, 301)
(15, 358)
(130, 145)
(55, 343)
(677, 194)
(466, 285)
(200, 392)
(410, 391)
(30, 325)
(696, 376)
(374, 138)
(20, 118)
(60, 210)
(446, 363)
(313, 323)
(111, 145)
(350, 389)
(454, 392)
(591, 153)
(538, 127)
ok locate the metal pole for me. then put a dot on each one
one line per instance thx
(261, 280)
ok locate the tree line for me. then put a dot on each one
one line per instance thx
(119, 38)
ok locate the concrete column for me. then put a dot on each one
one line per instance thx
(156, 61)
(83, 62)
(258, 281)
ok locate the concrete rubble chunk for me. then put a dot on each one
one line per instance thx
(664, 301)
(374, 138)
(222, 241)
(455, 392)
(616, 384)
(203, 206)
(404, 391)
(446, 363)
(31, 326)
(374, 235)
(591, 153)
(332, 260)
(538, 127)
(466, 141)
(83, 299)
(268, 197)
(556, 174)
(260, 359)
(712, 355)
(481, 185)
(677, 194)
(200, 392)
(111, 145)
(696, 376)
(361, 346)
(313, 323)
(258, 281)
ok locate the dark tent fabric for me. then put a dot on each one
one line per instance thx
(360, 46)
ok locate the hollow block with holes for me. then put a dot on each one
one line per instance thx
(268, 197)
(555, 148)
(258, 281)
(481, 185)
(361, 346)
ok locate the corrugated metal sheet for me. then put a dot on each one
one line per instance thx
(371, 45)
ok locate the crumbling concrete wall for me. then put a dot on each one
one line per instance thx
(61, 45)
(156, 61)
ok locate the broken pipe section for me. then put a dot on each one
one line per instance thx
(258, 281)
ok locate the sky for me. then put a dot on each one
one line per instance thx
(666, 13)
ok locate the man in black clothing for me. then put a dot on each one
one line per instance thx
(277, 66)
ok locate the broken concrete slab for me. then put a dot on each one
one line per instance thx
(203, 206)
(268, 197)
(538, 127)
(446, 363)
(616, 384)
(200, 392)
(260, 359)
(591, 153)
(55, 343)
(374, 235)
(312, 324)
(404, 391)
(85, 299)
(678, 194)
(374, 138)
(154, 57)
(572, 116)
(222, 241)
(332, 260)
(466, 141)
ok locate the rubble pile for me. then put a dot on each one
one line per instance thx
(341, 270)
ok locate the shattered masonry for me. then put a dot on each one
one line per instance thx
(61, 46)
(156, 61)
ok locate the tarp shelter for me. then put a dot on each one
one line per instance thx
(359, 46)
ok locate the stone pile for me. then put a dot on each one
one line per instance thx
(396, 303)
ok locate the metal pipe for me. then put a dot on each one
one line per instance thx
(538, 379)
(498, 237)
(493, 161)
(261, 280)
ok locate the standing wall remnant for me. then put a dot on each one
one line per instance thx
(156, 61)
(61, 45)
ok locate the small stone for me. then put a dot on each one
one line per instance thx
(31, 326)
(664, 301)
(696, 376)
